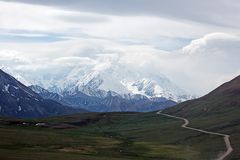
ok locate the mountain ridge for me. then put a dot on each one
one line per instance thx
(17, 100)
(98, 81)
(109, 103)
(223, 98)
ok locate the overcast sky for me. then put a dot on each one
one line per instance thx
(194, 43)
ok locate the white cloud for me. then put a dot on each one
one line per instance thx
(212, 41)
(23, 16)
(39, 20)
(199, 67)
(74, 61)
(208, 62)
(214, 12)
(136, 41)
(12, 57)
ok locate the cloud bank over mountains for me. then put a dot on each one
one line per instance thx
(193, 46)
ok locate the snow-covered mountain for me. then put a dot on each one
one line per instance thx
(153, 89)
(17, 100)
(119, 81)
(106, 87)
(16, 75)
(109, 78)
(110, 103)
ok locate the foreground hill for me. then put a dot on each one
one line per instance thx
(217, 111)
(223, 99)
(17, 100)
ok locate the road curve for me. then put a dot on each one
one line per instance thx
(225, 136)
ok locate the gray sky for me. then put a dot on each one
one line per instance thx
(194, 43)
(216, 12)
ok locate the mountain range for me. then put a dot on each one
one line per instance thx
(129, 135)
(17, 100)
(109, 103)
(109, 87)
(98, 81)
(217, 111)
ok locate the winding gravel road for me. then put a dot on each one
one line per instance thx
(225, 136)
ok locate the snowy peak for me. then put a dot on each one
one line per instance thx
(101, 92)
(117, 79)
(45, 93)
(14, 88)
(17, 100)
(93, 83)
(120, 81)
(148, 88)
(16, 75)
(38, 89)
(154, 89)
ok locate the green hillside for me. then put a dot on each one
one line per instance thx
(113, 136)
(218, 111)
(123, 136)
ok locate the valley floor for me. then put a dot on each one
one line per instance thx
(226, 137)
(223, 123)
(96, 136)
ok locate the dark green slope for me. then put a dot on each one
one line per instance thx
(128, 136)
(225, 98)
(217, 111)
(101, 136)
